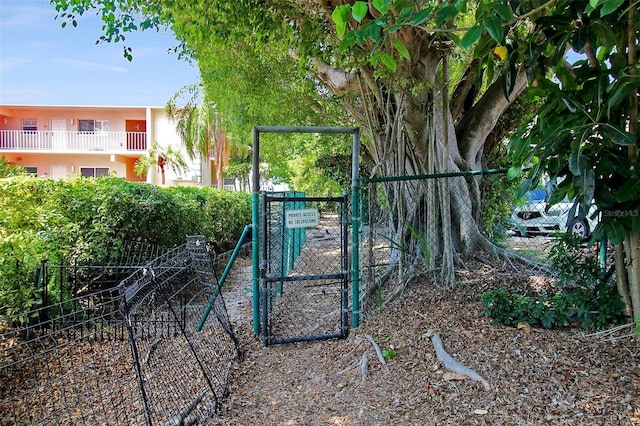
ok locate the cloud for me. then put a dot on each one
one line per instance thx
(10, 64)
(93, 65)
(27, 17)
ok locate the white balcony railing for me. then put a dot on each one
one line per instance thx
(107, 142)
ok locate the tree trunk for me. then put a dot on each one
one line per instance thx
(632, 239)
(632, 249)
(622, 280)
(412, 132)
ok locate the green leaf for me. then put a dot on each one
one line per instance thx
(388, 61)
(514, 172)
(348, 41)
(445, 14)
(423, 243)
(610, 6)
(359, 10)
(372, 31)
(572, 104)
(548, 319)
(401, 48)
(526, 186)
(576, 163)
(617, 135)
(628, 191)
(388, 354)
(472, 36)
(382, 5)
(620, 92)
(504, 11)
(340, 17)
(421, 16)
(494, 28)
(615, 232)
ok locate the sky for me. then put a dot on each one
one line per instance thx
(42, 63)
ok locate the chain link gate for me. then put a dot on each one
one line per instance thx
(304, 268)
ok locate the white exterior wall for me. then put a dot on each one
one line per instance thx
(35, 149)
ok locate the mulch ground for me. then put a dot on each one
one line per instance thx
(537, 377)
(569, 376)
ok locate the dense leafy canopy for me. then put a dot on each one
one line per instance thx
(582, 137)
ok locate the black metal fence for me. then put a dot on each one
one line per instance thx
(304, 272)
(125, 355)
(72, 277)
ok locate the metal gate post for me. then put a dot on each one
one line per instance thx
(255, 218)
(355, 227)
(344, 219)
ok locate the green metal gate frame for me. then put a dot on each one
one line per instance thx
(255, 211)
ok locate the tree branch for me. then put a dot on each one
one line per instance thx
(474, 128)
(462, 94)
(337, 80)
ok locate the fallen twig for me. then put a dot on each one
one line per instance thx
(346, 369)
(451, 364)
(181, 419)
(609, 332)
(152, 348)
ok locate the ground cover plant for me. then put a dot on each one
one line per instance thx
(584, 293)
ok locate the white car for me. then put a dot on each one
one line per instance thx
(531, 219)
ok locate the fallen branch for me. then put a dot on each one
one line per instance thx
(182, 419)
(379, 354)
(609, 333)
(451, 364)
(152, 348)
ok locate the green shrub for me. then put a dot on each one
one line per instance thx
(590, 307)
(20, 257)
(586, 294)
(87, 219)
(9, 170)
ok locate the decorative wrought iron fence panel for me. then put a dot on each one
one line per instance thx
(304, 268)
(126, 355)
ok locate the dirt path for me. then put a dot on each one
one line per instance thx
(538, 377)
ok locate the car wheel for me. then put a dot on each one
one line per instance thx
(579, 228)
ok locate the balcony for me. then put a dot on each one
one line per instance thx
(72, 142)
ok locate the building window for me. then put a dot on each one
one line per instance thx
(31, 171)
(94, 171)
(29, 124)
(93, 125)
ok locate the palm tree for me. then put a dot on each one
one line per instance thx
(161, 158)
(197, 124)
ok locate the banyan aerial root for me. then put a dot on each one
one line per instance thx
(453, 365)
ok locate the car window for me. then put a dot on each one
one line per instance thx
(537, 195)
